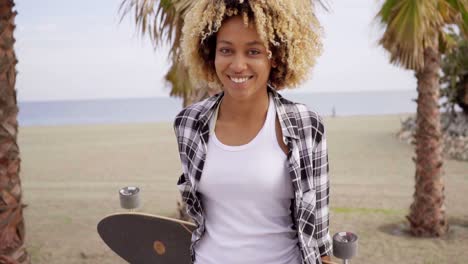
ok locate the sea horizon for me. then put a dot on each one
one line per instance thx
(164, 109)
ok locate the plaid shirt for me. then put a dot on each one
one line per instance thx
(303, 133)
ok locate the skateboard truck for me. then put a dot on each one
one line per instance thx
(129, 197)
(345, 246)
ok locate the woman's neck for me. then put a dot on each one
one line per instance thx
(243, 110)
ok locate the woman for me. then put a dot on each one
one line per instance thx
(255, 165)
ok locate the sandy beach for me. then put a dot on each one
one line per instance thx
(71, 175)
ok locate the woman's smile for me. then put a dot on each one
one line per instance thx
(240, 79)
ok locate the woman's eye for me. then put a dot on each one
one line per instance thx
(254, 52)
(224, 51)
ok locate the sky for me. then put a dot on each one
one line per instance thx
(75, 50)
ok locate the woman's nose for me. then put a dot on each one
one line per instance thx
(239, 63)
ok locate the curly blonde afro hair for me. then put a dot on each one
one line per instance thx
(289, 29)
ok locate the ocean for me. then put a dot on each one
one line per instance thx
(163, 109)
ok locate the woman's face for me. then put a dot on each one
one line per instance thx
(241, 60)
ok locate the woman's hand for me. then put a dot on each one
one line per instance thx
(327, 260)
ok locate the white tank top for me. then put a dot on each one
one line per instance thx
(246, 197)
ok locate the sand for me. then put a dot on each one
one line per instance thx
(71, 175)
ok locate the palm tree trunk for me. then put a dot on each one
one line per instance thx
(12, 248)
(427, 212)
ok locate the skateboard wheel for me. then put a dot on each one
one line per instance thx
(159, 247)
(345, 245)
(129, 197)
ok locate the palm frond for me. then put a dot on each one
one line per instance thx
(323, 3)
(162, 20)
(386, 10)
(410, 27)
(460, 8)
(178, 77)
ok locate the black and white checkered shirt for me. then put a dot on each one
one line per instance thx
(303, 133)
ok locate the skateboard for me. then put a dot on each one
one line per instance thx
(151, 239)
(143, 238)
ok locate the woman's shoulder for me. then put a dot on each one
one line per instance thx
(194, 112)
(302, 113)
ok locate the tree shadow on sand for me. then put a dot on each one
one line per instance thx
(458, 229)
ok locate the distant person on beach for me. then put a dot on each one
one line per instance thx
(255, 165)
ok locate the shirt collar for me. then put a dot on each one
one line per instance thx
(286, 115)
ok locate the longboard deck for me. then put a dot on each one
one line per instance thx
(143, 238)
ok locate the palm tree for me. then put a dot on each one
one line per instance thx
(415, 37)
(163, 21)
(12, 248)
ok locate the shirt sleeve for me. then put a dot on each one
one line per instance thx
(322, 188)
(183, 184)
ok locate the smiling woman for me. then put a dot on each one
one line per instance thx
(287, 29)
(255, 165)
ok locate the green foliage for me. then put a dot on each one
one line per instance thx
(455, 74)
(178, 77)
(386, 10)
(462, 7)
(166, 4)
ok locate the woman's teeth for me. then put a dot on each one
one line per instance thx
(239, 80)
